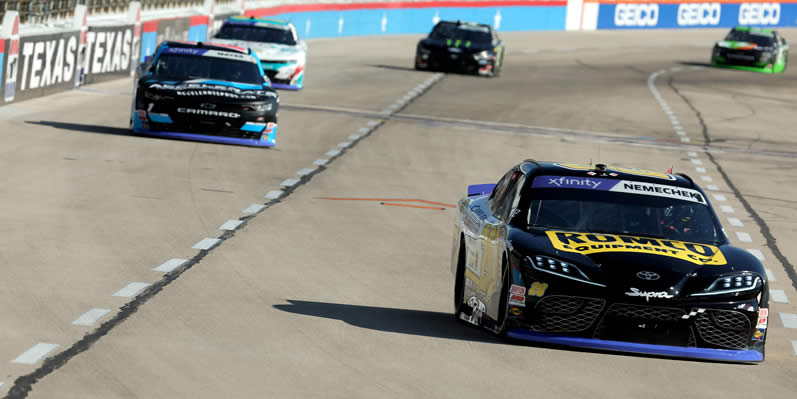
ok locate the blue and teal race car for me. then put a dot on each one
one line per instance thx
(205, 92)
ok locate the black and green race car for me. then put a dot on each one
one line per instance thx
(751, 49)
(463, 47)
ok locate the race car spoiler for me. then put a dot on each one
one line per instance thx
(727, 355)
(480, 189)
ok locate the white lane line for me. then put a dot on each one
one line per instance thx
(305, 171)
(691, 154)
(332, 153)
(254, 208)
(778, 296)
(91, 317)
(743, 237)
(697, 162)
(372, 123)
(735, 222)
(206, 243)
(770, 276)
(680, 132)
(344, 144)
(719, 197)
(273, 194)
(364, 130)
(685, 140)
(700, 170)
(170, 265)
(35, 353)
(320, 162)
(130, 290)
(789, 320)
(713, 187)
(706, 178)
(726, 208)
(231, 224)
(289, 182)
(757, 253)
(354, 137)
(793, 347)
(675, 69)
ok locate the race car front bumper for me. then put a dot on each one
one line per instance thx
(726, 355)
(285, 76)
(257, 134)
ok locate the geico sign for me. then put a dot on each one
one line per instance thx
(691, 14)
(636, 14)
(759, 14)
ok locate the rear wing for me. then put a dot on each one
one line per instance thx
(480, 189)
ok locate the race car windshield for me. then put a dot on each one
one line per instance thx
(590, 211)
(759, 39)
(180, 66)
(475, 34)
(256, 34)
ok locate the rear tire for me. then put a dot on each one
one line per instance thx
(503, 303)
(459, 282)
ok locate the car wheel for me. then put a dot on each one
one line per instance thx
(503, 303)
(459, 281)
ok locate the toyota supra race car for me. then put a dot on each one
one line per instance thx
(606, 258)
(276, 43)
(205, 92)
(752, 49)
(461, 47)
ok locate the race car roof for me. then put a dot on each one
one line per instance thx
(208, 46)
(610, 172)
(754, 30)
(263, 22)
(465, 24)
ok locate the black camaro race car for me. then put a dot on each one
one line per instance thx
(461, 47)
(752, 49)
(205, 92)
(606, 258)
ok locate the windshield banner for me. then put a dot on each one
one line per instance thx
(619, 186)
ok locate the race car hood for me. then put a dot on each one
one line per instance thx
(739, 45)
(218, 90)
(269, 51)
(617, 261)
(463, 46)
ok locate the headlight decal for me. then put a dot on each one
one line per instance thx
(733, 284)
(560, 268)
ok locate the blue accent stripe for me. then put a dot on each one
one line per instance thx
(283, 86)
(249, 127)
(661, 350)
(160, 118)
(205, 138)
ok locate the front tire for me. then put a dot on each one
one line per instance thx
(503, 303)
(459, 282)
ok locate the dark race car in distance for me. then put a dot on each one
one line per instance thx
(461, 47)
(752, 49)
(205, 92)
(606, 258)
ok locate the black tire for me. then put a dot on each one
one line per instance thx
(459, 281)
(503, 303)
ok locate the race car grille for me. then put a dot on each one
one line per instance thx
(271, 76)
(724, 328)
(644, 324)
(644, 312)
(566, 313)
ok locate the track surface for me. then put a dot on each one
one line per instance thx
(343, 299)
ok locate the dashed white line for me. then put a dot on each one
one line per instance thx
(35, 353)
(719, 197)
(700, 170)
(305, 171)
(333, 153)
(91, 317)
(685, 140)
(206, 243)
(789, 320)
(735, 222)
(273, 194)
(131, 290)
(726, 208)
(697, 162)
(170, 265)
(3, 383)
(794, 347)
(320, 162)
(354, 137)
(680, 132)
(230, 225)
(691, 154)
(254, 208)
(364, 130)
(344, 144)
(706, 178)
(675, 69)
(757, 253)
(770, 276)
(743, 237)
(372, 123)
(778, 296)
(713, 187)
(289, 182)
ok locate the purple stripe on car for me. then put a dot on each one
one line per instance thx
(586, 183)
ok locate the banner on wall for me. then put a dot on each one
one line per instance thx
(109, 51)
(722, 14)
(46, 64)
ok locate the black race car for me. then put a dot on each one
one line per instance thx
(606, 258)
(752, 49)
(461, 47)
(205, 92)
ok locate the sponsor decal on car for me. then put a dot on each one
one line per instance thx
(588, 243)
(759, 334)
(763, 315)
(515, 311)
(635, 292)
(517, 289)
(619, 186)
(538, 289)
(517, 300)
(207, 112)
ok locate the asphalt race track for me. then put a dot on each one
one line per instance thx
(340, 287)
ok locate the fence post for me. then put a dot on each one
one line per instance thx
(134, 18)
(10, 31)
(80, 22)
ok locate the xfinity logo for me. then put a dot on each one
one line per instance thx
(589, 183)
(206, 112)
(636, 14)
(647, 275)
(648, 294)
(696, 14)
(759, 14)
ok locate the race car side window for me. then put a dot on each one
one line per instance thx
(504, 197)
